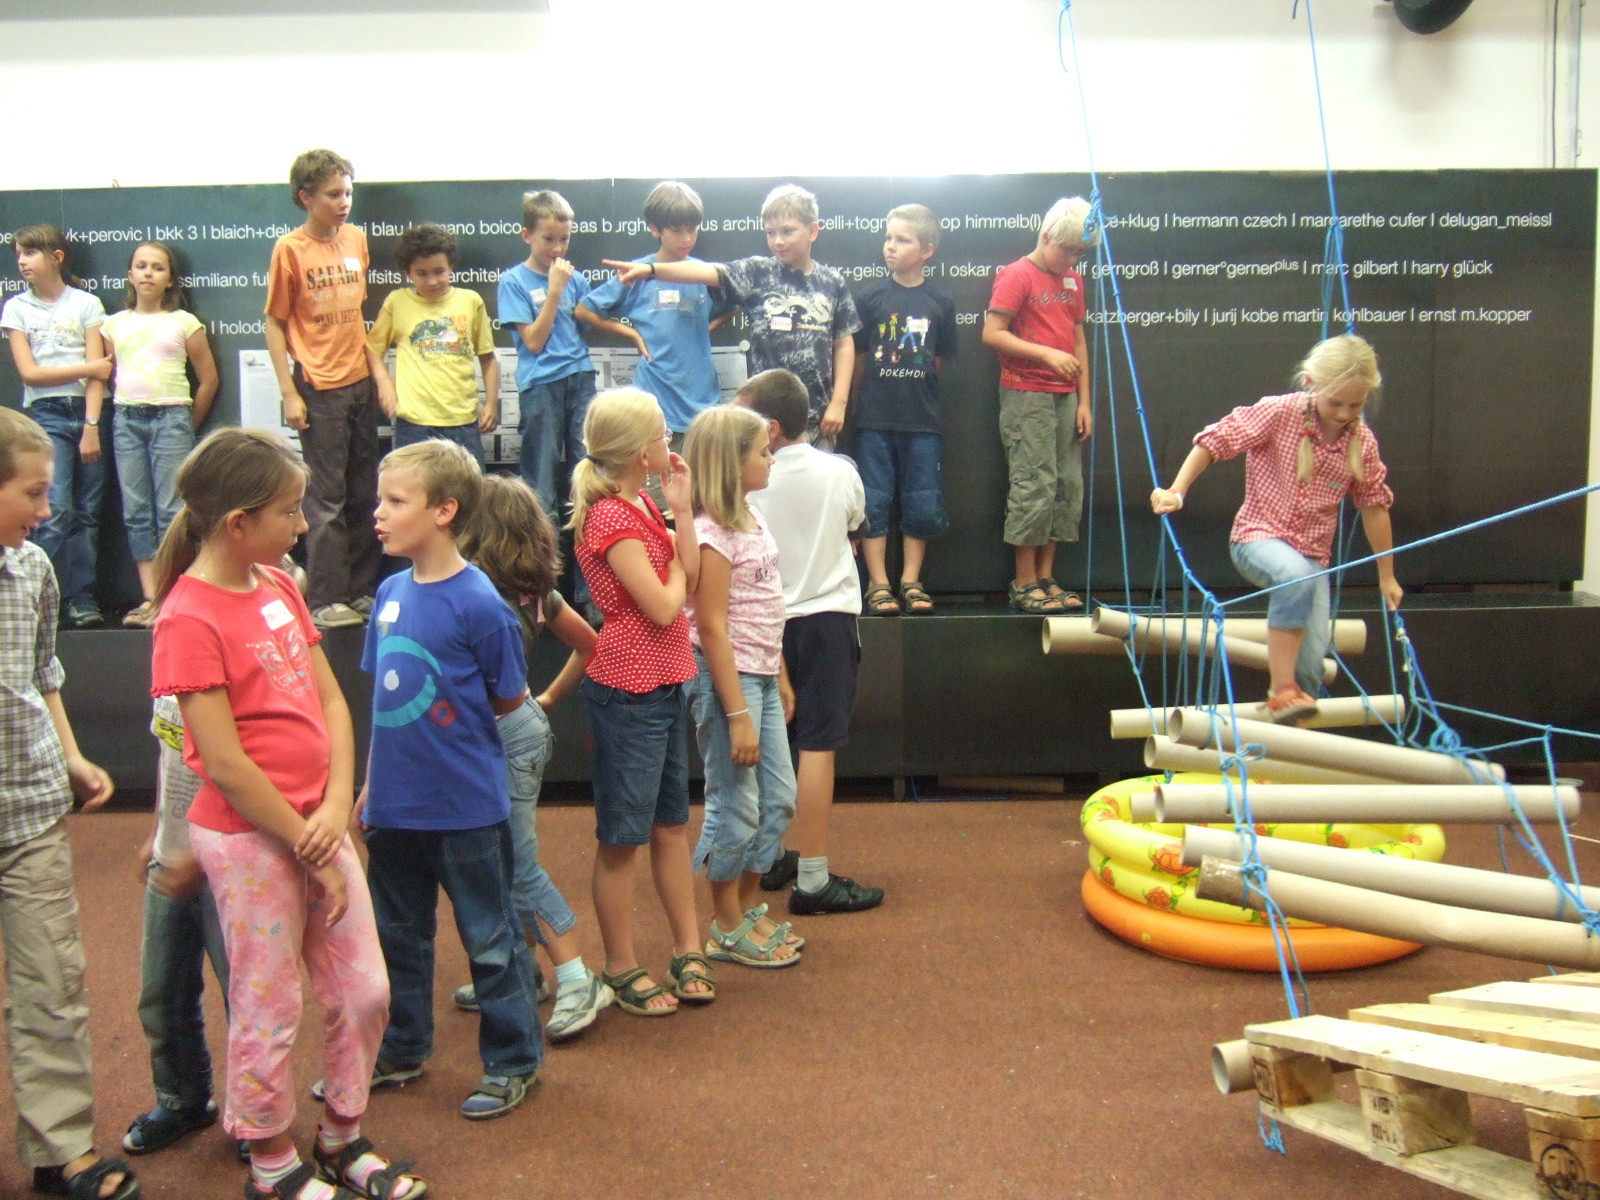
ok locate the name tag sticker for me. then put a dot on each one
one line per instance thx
(276, 614)
(782, 324)
(1072, 284)
(352, 264)
(390, 613)
(667, 298)
(538, 297)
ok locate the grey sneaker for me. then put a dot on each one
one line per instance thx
(466, 996)
(363, 605)
(577, 1007)
(336, 616)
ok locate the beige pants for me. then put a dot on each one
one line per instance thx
(47, 1008)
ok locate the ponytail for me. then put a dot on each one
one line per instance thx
(619, 426)
(233, 470)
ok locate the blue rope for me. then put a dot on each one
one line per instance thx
(1333, 245)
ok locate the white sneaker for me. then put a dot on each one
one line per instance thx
(577, 1007)
(336, 616)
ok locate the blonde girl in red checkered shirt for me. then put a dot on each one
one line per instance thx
(1304, 454)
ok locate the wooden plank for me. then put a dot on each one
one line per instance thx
(1407, 1117)
(1530, 999)
(1570, 979)
(1286, 1079)
(1469, 1169)
(1577, 1039)
(1555, 1082)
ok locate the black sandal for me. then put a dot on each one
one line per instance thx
(85, 1185)
(161, 1126)
(333, 1165)
(912, 594)
(880, 601)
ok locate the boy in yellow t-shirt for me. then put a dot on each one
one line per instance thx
(439, 329)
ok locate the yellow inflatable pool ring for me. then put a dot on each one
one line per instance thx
(1144, 862)
(1143, 865)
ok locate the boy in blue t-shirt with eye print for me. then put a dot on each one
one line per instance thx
(445, 653)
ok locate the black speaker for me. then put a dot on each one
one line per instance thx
(1429, 16)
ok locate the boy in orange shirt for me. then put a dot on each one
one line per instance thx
(315, 289)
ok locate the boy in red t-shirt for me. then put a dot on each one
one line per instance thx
(1035, 325)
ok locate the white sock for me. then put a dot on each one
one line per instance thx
(571, 974)
(813, 874)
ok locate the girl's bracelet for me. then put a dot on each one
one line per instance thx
(743, 712)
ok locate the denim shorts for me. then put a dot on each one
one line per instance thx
(907, 465)
(638, 760)
(525, 735)
(1301, 605)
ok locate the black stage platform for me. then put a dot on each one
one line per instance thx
(967, 690)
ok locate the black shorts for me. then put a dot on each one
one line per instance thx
(822, 651)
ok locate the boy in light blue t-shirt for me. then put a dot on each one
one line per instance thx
(675, 319)
(445, 653)
(555, 376)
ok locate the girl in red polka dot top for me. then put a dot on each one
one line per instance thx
(639, 573)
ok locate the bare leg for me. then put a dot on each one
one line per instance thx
(147, 579)
(813, 780)
(875, 551)
(561, 947)
(613, 909)
(1027, 565)
(674, 879)
(914, 550)
(1047, 560)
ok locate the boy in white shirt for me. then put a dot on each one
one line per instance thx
(811, 503)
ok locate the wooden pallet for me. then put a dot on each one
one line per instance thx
(1533, 1044)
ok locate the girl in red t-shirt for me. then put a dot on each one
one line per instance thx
(1305, 453)
(639, 573)
(266, 727)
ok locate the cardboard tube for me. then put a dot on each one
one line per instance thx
(1233, 1068)
(1142, 807)
(1336, 713)
(1164, 754)
(1194, 638)
(1076, 635)
(1442, 883)
(1556, 943)
(1379, 804)
(1391, 764)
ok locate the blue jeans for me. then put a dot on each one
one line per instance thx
(151, 441)
(526, 737)
(179, 935)
(638, 760)
(408, 432)
(748, 809)
(1302, 606)
(550, 420)
(76, 493)
(405, 870)
(907, 463)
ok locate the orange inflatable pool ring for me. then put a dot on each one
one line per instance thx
(1225, 944)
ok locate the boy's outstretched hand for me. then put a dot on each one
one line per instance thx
(627, 272)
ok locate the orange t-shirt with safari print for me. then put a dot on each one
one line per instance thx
(316, 288)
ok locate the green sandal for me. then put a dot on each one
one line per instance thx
(913, 595)
(739, 947)
(880, 602)
(1031, 598)
(1056, 592)
(634, 999)
(692, 967)
(784, 931)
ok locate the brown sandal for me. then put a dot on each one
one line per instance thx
(914, 599)
(880, 601)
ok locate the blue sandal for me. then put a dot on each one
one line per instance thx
(739, 947)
